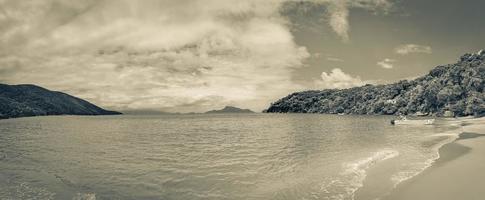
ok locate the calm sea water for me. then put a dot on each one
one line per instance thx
(239, 156)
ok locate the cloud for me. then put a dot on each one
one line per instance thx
(328, 57)
(170, 55)
(334, 12)
(412, 48)
(386, 63)
(335, 59)
(338, 79)
(338, 13)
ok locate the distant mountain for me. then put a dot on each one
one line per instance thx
(146, 112)
(457, 88)
(229, 109)
(31, 100)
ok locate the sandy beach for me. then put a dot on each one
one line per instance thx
(459, 173)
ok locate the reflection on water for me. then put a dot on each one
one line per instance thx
(243, 156)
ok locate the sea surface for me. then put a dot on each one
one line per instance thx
(219, 156)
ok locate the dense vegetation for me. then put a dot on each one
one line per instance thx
(31, 100)
(458, 88)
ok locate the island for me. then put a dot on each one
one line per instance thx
(449, 90)
(229, 109)
(30, 100)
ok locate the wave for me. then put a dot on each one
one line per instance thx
(412, 160)
(353, 175)
(84, 196)
(430, 158)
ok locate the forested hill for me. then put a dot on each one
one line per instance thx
(455, 87)
(31, 100)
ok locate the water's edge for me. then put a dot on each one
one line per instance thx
(446, 151)
(404, 177)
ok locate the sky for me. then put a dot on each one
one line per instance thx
(199, 55)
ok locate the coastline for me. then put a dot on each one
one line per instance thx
(29, 116)
(457, 174)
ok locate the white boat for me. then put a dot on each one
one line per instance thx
(412, 122)
(420, 114)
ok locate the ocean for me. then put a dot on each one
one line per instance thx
(213, 156)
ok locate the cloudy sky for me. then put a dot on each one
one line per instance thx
(197, 55)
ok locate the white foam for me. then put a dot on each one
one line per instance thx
(84, 196)
(354, 173)
(417, 168)
(358, 170)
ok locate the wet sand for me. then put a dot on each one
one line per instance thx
(459, 173)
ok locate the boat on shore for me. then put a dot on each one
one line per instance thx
(406, 121)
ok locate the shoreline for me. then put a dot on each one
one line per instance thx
(458, 173)
(32, 116)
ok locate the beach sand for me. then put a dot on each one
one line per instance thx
(459, 173)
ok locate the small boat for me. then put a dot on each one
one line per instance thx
(420, 114)
(341, 113)
(412, 122)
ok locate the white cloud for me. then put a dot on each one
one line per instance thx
(328, 57)
(334, 59)
(338, 79)
(412, 48)
(338, 13)
(386, 63)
